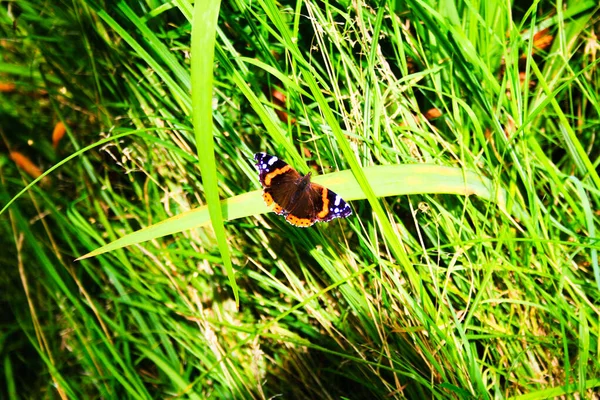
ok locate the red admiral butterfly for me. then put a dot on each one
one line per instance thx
(303, 203)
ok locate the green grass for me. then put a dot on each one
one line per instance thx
(469, 268)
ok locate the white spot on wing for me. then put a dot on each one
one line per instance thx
(337, 199)
(272, 160)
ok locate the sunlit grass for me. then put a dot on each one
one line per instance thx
(423, 292)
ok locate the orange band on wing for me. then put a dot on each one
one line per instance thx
(269, 201)
(268, 198)
(276, 172)
(301, 222)
(325, 209)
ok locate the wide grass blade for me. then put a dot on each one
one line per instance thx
(203, 44)
(392, 180)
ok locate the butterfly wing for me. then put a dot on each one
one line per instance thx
(279, 181)
(316, 203)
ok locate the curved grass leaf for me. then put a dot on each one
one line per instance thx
(204, 27)
(390, 180)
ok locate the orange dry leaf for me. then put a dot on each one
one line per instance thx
(279, 99)
(433, 113)
(7, 87)
(488, 134)
(58, 133)
(25, 164)
(284, 117)
(542, 40)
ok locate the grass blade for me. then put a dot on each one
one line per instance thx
(203, 44)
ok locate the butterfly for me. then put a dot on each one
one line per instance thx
(293, 195)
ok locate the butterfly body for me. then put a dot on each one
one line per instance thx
(293, 195)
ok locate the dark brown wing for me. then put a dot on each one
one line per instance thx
(279, 180)
(284, 189)
(317, 203)
(305, 206)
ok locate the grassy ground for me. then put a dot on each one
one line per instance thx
(479, 280)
